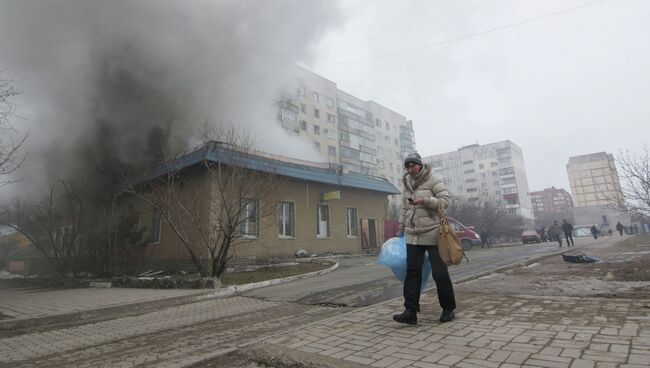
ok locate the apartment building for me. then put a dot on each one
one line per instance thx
(550, 200)
(492, 172)
(594, 179)
(361, 135)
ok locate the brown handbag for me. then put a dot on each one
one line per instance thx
(449, 246)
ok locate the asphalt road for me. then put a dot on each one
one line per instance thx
(359, 281)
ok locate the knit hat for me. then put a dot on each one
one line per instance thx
(413, 157)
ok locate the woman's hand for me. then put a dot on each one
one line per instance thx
(418, 201)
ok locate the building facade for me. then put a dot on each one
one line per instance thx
(317, 207)
(550, 200)
(594, 180)
(362, 136)
(492, 172)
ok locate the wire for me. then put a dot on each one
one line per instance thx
(460, 38)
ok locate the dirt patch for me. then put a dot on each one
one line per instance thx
(624, 272)
(272, 272)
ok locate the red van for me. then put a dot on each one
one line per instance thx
(468, 237)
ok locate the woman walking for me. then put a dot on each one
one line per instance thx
(423, 195)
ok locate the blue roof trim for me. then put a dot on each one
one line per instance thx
(215, 152)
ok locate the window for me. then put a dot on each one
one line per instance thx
(286, 225)
(331, 134)
(396, 142)
(249, 219)
(301, 91)
(469, 171)
(317, 145)
(322, 221)
(378, 122)
(331, 151)
(316, 113)
(331, 118)
(316, 129)
(387, 126)
(303, 108)
(303, 125)
(156, 228)
(468, 162)
(329, 102)
(480, 166)
(352, 227)
(316, 97)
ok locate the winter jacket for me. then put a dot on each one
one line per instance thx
(567, 228)
(420, 223)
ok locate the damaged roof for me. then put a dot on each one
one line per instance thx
(297, 169)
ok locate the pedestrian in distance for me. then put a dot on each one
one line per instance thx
(609, 232)
(631, 230)
(423, 194)
(619, 228)
(484, 238)
(554, 233)
(567, 229)
(594, 231)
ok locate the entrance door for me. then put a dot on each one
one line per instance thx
(369, 234)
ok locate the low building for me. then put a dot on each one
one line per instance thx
(318, 206)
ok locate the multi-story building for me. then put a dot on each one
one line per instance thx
(594, 180)
(492, 172)
(550, 200)
(362, 136)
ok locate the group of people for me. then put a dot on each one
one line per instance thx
(555, 232)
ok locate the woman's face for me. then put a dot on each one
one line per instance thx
(413, 168)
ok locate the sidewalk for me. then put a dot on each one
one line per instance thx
(513, 324)
(490, 331)
(27, 307)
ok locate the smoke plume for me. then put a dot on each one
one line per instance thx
(111, 83)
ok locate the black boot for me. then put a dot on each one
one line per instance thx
(447, 315)
(408, 316)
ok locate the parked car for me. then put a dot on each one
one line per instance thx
(467, 236)
(530, 236)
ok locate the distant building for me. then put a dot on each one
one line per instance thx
(550, 200)
(361, 135)
(492, 172)
(594, 180)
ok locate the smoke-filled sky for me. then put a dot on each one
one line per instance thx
(573, 83)
(111, 80)
(116, 77)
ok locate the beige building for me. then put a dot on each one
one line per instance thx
(363, 136)
(318, 208)
(493, 172)
(594, 180)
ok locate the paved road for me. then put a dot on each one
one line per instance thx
(360, 282)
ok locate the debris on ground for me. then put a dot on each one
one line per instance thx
(580, 258)
(301, 253)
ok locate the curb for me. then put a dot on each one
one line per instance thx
(101, 313)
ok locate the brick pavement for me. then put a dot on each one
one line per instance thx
(490, 331)
(173, 337)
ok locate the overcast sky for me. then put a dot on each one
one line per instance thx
(573, 83)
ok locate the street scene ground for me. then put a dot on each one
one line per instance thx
(540, 312)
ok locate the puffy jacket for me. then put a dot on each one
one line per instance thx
(420, 223)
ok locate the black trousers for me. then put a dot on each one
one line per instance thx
(568, 237)
(414, 259)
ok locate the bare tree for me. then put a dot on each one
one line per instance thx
(635, 173)
(54, 226)
(488, 218)
(10, 160)
(217, 206)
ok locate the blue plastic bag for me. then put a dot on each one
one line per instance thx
(393, 256)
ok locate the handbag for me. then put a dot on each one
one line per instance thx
(449, 247)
